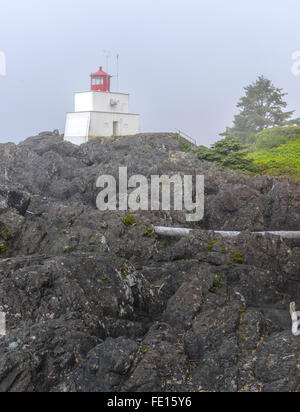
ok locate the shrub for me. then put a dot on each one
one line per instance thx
(148, 232)
(281, 160)
(124, 270)
(185, 147)
(271, 138)
(228, 152)
(129, 220)
(237, 257)
(217, 282)
(274, 151)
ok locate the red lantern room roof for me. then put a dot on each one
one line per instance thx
(100, 81)
(100, 73)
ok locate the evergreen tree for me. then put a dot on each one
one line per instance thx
(228, 152)
(261, 108)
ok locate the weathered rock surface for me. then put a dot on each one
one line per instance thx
(95, 305)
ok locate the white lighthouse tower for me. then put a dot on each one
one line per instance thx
(100, 113)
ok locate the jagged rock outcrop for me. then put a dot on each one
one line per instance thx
(93, 304)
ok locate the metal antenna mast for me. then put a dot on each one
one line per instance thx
(107, 55)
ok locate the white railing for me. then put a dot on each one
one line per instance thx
(187, 137)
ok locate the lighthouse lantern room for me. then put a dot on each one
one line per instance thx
(100, 113)
(100, 81)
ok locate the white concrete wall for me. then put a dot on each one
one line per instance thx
(84, 102)
(77, 128)
(94, 116)
(83, 126)
(101, 102)
(101, 124)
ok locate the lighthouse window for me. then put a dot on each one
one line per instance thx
(99, 81)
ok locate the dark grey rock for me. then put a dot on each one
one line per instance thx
(95, 305)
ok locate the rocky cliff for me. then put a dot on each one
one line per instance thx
(93, 304)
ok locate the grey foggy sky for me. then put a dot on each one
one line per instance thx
(184, 62)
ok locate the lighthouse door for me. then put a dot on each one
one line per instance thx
(116, 129)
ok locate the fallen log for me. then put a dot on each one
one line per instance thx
(183, 232)
(295, 319)
(172, 231)
(25, 259)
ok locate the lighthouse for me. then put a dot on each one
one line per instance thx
(100, 113)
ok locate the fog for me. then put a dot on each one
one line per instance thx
(185, 63)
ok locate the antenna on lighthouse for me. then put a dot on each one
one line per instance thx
(107, 55)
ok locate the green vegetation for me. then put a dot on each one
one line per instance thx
(211, 245)
(6, 235)
(262, 107)
(271, 138)
(185, 147)
(129, 220)
(274, 152)
(263, 139)
(124, 270)
(237, 257)
(217, 282)
(148, 232)
(229, 152)
(282, 160)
